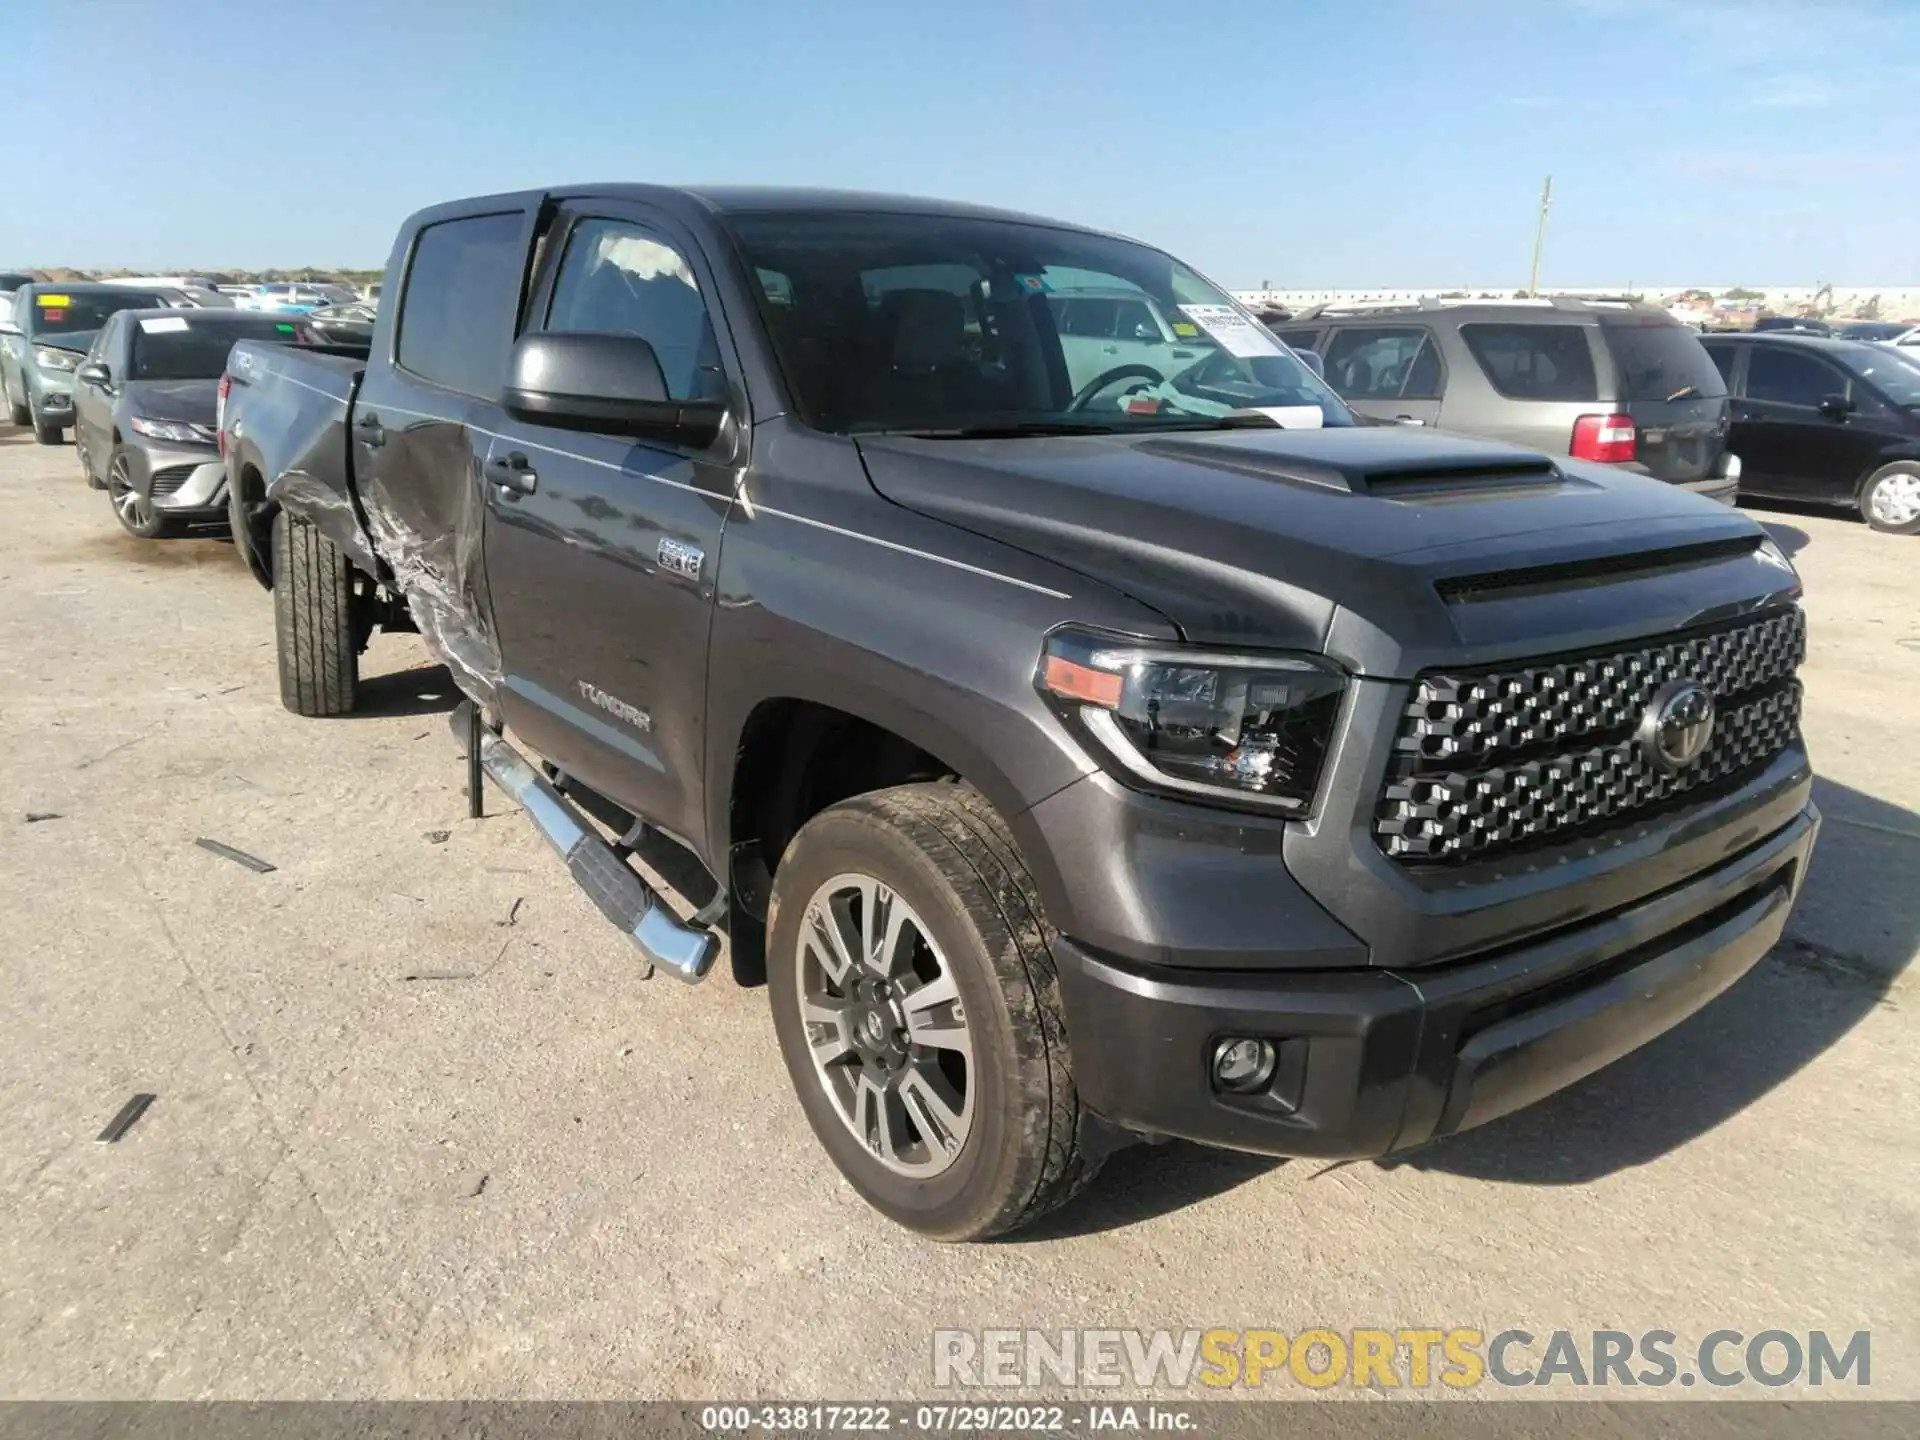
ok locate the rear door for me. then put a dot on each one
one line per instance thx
(1664, 379)
(601, 558)
(1388, 372)
(425, 418)
(1800, 453)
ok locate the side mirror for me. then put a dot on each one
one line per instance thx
(609, 384)
(1311, 359)
(1836, 407)
(94, 373)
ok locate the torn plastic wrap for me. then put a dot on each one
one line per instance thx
(427, 539)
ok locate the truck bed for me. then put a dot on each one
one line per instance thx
(284, 425)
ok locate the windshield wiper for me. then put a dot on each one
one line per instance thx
(1683, 392)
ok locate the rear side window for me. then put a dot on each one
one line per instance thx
(1722, 357)
(1662, 362)
(462, 295)
(1301, 339)
(1377, 363)
(1534, 362)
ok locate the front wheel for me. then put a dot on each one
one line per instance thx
(137, 514)
(43, 431)
(17, 410)
(1890, 500)
(919, 1013)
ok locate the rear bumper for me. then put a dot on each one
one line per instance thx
(1371, 1061)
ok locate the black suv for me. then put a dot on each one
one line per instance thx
(1610, 381)
(1829, 422)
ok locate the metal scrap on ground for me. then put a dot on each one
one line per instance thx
(239, 857)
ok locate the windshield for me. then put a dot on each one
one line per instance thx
(950, 325)
(1660, 361)
(60, 312)
(1893, 374)
(191, 347)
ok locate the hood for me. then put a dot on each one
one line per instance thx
(1391, 549)
(193, 401)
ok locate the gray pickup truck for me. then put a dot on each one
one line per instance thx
(1083, 748)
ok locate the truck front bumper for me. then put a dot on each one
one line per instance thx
(1370, 1061)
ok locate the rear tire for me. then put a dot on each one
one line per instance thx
(1890, 499)
(1021, 1147)
(313, 620)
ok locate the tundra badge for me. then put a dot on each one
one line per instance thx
(615, 706)
(678, 559)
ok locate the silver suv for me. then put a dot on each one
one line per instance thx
(1606, 380)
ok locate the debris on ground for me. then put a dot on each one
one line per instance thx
(34, 817)
(239, 857)
(513, 914)
(472, 1184)
(124, 1121)
(438, 837)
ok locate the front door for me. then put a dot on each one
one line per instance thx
(1786, 444)
(601, 549)
(93, 404)
(422, 426)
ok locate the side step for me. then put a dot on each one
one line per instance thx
(683, 952)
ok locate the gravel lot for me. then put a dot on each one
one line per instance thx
(421, 1132)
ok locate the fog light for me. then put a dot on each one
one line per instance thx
(1242, 1065)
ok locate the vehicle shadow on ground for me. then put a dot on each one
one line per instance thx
(1145, 1182)
(1854, 931)
(423, 690)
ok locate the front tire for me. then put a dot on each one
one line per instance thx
(1890, 500)
(43, 432)
(137, 513)
(919, 1013)
(313, 620)
(17, 410)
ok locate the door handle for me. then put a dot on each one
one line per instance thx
(1408, 420)
(512, 474)
(372, 433)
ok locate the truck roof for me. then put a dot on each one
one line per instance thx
(748, 199)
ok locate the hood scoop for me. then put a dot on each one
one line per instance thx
(1425, 479)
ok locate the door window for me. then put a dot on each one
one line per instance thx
(1534, 362)
(1301, 339)
(617, 278)
(1787, 377)
(1377, 363)
(1723, 356)
(462, 296)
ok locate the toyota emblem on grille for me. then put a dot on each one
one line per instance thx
(1677, 725)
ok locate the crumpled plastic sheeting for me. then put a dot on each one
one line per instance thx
(429, 543)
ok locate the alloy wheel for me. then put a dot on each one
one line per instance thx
(884, 1026)
(134, 509)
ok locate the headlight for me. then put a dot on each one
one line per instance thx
(177, 431)
(1235, 729)
(48, 358)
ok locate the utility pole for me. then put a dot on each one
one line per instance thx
(1540, 236)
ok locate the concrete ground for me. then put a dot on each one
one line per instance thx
(420, 1132)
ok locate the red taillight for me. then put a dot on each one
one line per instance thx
(220, 412)
(1606, 438)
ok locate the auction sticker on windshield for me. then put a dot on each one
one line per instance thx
(165, 325)
(1236, 333)
(53, 302)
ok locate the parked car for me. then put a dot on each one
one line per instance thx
(344, 324)
(1798, 324)
(1076, 768)
(296, 298)
(48, 334)
(1611, 381)
(1872, 330)
(12, 280)
(1832, 422)
(144, 401)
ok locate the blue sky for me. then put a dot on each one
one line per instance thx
(1364, 143)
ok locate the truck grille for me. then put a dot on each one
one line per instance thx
(1488, 761)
